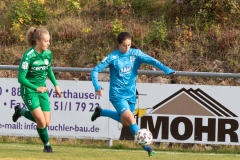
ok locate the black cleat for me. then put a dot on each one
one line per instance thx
(96, 113)
(48, 149)
(16, 115)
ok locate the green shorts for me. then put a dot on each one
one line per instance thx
(35, 100)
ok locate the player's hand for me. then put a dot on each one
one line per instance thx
(42, 89)
(173, 73)
(58, 91)
(99, 92)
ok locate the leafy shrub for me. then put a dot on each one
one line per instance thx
(28, 12)
(139, 7)
(73, 5)
(117, 27)
(113, 8)
(142, 6)
(25, 13)
(158, 32)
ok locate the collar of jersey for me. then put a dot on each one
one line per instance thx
(122, 54)
(37, 52)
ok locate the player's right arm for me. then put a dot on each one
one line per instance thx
(97, 69)
(22, 72)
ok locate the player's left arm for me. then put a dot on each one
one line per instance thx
(52, 78)
(144, 58)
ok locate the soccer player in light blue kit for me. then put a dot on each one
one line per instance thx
(123, 64)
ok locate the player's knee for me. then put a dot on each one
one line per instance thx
(127, 120)
(124, 123)
(48, 123)
(41, 124)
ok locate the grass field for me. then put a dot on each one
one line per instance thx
(21, 151)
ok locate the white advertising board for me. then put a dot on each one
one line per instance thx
(71, 114)
(173, 113)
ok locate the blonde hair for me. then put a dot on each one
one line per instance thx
(34, 34)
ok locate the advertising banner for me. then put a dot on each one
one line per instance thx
(172, 112)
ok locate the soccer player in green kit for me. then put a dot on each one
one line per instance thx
(33, 70)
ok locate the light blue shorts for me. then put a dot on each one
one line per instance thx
(122, 105)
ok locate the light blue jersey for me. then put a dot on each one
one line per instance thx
(123, 72)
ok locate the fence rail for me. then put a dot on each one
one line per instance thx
(140, 72)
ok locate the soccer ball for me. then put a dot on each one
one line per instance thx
(143, 137)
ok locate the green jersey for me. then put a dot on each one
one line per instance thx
(34, 69)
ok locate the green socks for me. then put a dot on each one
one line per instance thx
(29, 116)
(26, 114)
(43, 134)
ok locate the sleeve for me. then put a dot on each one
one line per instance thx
(22, 72)
(50, 74)
(144, 58)
(97, 69)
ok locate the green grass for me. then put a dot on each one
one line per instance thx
(22, 151)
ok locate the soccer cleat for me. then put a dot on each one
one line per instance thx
(16, 115)
(48, 149)
(151, 152)
(96, 113)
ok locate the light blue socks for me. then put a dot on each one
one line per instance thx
(115, 116)
(134, 128)
(111, 114)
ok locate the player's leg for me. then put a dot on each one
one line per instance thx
(28, 100)
(42, 130)
(127, 118)
(47, 115)
(98, 111)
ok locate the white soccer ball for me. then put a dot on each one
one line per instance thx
(143, 137)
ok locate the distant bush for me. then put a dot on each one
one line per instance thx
(158, 32)
(82, 32)
(28, 12)
(205, 11)
(73, 5)
(117, 27)
(119, 7)
(142, 6)
(25, 13)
